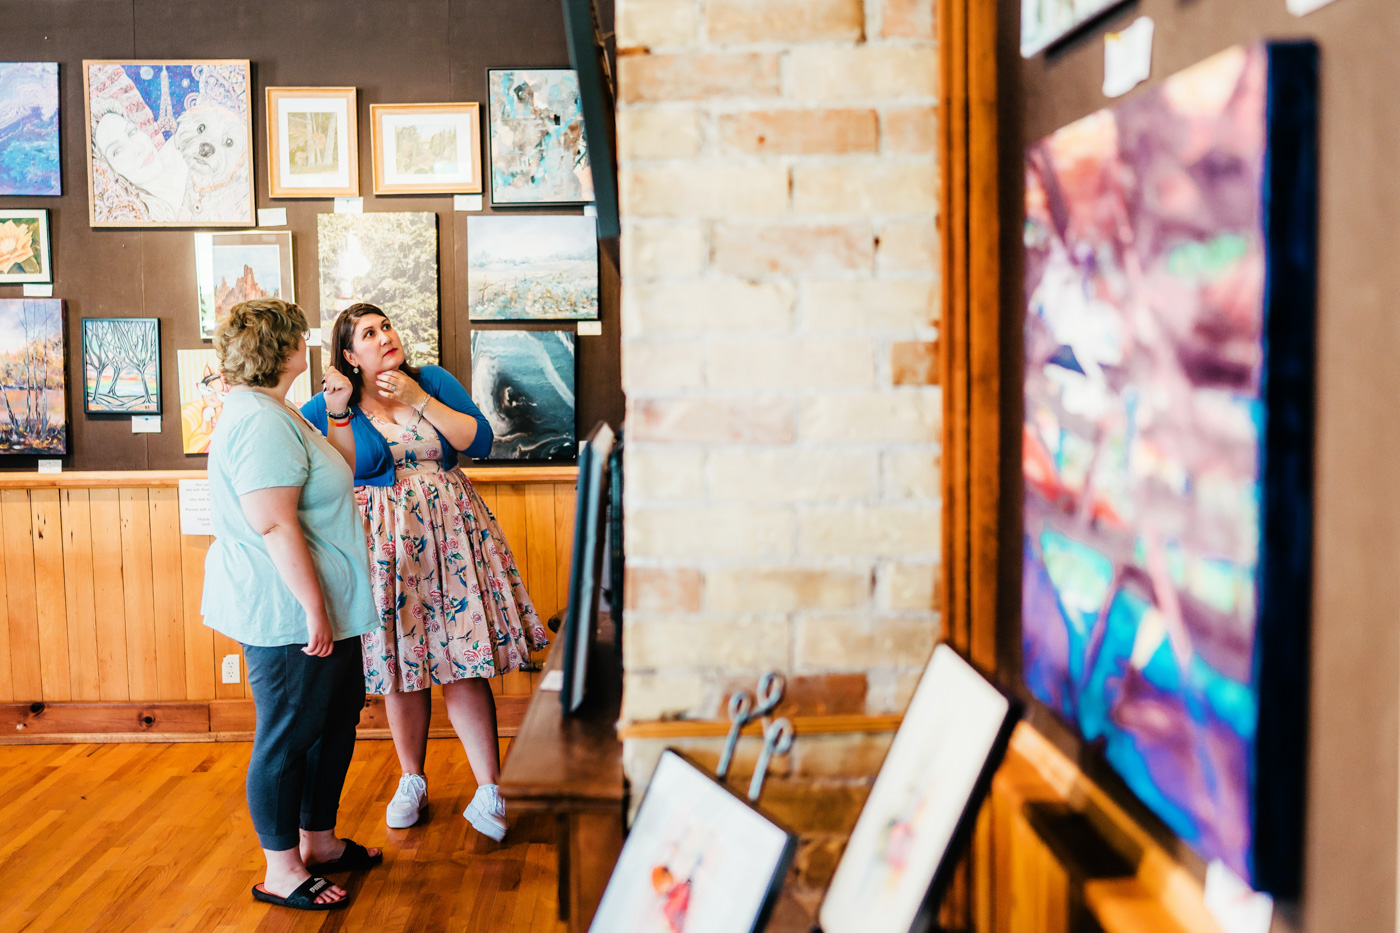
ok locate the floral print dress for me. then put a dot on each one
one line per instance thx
(450, 600)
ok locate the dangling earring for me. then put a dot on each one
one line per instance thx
(357, 370)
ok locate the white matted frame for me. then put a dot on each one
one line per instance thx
(299, 151)
(920, 813)
(454, 127)
(176, 180)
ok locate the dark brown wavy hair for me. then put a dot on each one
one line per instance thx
(343, 338)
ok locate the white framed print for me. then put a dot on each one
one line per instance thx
(426, 148)
(312, 142)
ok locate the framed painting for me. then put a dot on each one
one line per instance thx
(202, 393)
(231, 268)
(1167, 445)
(170, 143)
(532, 268)
(523, 382)
(1045, 22)
(33, 390)
(539, 154)
(313, 142)
(121, 366)
(29, 163)
(24, 247)
(389, 260)
(920, 813)
(698, 858)
(426, 148)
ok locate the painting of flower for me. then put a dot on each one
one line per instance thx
(24, 247)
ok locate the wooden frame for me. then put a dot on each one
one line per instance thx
(40, 217)
(197, 192)
(468, 116)
(277, 184)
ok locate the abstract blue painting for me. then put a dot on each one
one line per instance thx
(523, 382)
(1167, 442)
(29, 128)
(538, 151)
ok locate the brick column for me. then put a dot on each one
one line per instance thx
(779, 301)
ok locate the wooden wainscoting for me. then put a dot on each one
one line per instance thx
(101, 593)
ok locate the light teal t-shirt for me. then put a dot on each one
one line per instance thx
(258, 444)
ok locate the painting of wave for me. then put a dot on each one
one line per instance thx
(29, 128)
(523, 382)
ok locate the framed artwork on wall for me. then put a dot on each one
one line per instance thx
(1045, 22)
(170, 143)
(532, 267)
(33, 389)
(121, 366)
(919, 815)
(539, 154)
(698, 858)
(426, 148)
(202, 393)
(313, 143)
(1167, 445)
(235, 267)
(389, 260)
(29, 163)
(523, 382)
(24, 246)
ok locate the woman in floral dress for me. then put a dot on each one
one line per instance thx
(452, 608)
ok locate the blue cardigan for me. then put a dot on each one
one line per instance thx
(374, 464)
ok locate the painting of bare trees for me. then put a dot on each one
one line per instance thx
(121, 366)
(33, 400)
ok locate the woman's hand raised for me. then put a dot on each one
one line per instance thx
(399, 386)
(336, 388)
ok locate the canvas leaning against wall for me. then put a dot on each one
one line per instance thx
(523, 382)
(29, 163)
(532, 268)
(1170, 282)
(389, 260)
(169, 143)
(539, 154)
(33, 391)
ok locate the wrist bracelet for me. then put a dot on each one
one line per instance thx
(423, 404)
(339, 415)
(340, 424)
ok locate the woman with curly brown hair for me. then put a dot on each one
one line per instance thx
(452, 607)
(287, 577)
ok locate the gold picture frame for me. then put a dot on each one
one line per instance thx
(296, 118)
(169, 142)
(404, 153)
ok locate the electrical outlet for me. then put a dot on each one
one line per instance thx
(231, 674)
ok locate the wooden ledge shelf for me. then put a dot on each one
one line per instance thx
(155, 479)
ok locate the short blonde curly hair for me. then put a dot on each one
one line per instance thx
(256, 339)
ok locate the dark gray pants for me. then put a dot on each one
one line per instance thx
(308, 709)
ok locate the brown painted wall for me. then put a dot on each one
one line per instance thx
(1350, 874)
(394, 52)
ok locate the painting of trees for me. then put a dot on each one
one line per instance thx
(33, 399)
(121, 366)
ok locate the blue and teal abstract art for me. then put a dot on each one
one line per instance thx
(523, 382)
(29, 128)
(539, 154)
(1167, 444)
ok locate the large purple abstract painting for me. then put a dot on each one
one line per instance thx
(1166, 445)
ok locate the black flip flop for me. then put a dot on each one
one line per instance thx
(355, 858)
(304, 897)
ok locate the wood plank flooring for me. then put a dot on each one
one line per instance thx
(146, 837)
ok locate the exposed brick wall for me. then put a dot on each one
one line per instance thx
(780, 317)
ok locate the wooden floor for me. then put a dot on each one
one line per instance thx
(157, 837)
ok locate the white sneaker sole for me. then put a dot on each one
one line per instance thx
(400, 824)
(487, 824)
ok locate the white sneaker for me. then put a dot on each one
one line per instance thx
(409, 799)
(487, 812)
